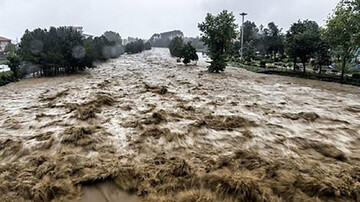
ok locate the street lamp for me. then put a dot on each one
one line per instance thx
(242, 33)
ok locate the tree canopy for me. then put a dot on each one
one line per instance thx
(343, 30)
(218, 33)
(302, 40)
(135, 47)
(176, 46)
(65, 50)
(189, 54)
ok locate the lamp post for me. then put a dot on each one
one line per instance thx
(242, 34)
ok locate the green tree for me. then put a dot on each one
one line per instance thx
(91, 54)
(189, 54)
(250, 31)
(176, 46)
(114, 44)
(14, 61)
(342, 31)
(135, 47)
(57, 50)
(323, 54)
(101, 45)
(218, 33)
(302, 40)
(274, 40)
(113, 37)
(250, 41)
(249, 51)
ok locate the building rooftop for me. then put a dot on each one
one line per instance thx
(4, 39)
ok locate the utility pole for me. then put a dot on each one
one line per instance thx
(242, 34)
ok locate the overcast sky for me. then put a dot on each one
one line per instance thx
(142, 18)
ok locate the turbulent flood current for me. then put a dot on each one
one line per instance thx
(143, 128)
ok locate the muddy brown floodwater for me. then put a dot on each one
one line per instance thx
(141, 128)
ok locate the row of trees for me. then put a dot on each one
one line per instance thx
(305, 40)
(65, 50)
(264, 41)
(183, 50)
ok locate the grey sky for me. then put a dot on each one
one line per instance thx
(142, 18)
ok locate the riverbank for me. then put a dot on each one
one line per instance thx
(349, 80)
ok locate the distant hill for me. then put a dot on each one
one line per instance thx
(163, 39)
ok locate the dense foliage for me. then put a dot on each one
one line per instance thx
(273, 40)
(147, 45)
(135, 47)
(65, 50)
(343, 31)
(14, 62)
(302, 41)
(218, 33)
(189, 54)
(176, 46)
(186, 51)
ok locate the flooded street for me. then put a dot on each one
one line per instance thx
(158, 131)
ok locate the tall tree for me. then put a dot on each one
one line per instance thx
(302, 40)
(250, 40)
(322, 54)
(343, 31)
(218, 32)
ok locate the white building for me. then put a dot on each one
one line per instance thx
(3, 43)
